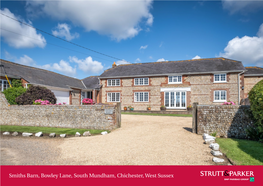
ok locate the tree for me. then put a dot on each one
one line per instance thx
(256, 106)
(34, 93)
(12, 93)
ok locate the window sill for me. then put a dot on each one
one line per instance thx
(174, 108)
(175, 83)
(220, 81)
(219, 101)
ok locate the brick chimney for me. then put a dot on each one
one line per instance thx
(114, 65)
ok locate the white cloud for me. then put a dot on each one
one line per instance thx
(243, 6)
(118, 19)
(161, 44)
(260, 31)
(162, 59)
(150, 57)
(63, 30)
(87, 65)
(24, 60)
(247, 49)
(19, 40)
(150, 20)
(196, 57)
(63, 67)
(137, 60)
(120, 62)
(143, 47)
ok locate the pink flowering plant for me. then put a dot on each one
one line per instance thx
(45, 102)
(228, 103)
(88, 101)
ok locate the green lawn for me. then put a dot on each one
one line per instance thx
(242, 152)
(47, 130)
(156, 114)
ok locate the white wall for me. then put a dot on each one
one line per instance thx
(62, 96)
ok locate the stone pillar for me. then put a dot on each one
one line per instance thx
(118, 115)
(194, 121)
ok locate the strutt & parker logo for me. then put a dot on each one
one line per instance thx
(229, 175)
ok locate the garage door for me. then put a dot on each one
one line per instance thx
(62, 96)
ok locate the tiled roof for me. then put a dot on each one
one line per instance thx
(208, 65)
(40, 76)
(92, 82)
(254, 71)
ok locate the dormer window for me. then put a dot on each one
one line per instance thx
(175, 79)
(219, 78)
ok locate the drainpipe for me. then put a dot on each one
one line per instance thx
(238, 82)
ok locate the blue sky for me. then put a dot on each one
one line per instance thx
(131, 31)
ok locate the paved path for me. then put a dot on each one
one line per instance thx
(142, 140)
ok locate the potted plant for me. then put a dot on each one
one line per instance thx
(131, 108)
(149, 107)
(125, 108)
(189, 108)
(163, 107)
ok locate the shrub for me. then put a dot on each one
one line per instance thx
(34, 93)
(16, 83)
(45, 102)
(12, 93)
(214, 134)
(87, 101)
(256, 106)
(228, 103)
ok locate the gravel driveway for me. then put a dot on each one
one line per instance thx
(142, 140)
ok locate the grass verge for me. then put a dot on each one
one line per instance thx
(242, 152)
(156, 114)
(47, 130)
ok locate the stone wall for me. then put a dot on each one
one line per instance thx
(102, 117)
(202, 90)
(250, 83)
(225, 120)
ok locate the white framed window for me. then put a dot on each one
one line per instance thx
(141, 96)
(174, 79)
(220, 96)
(113, 82)
(176, 100)
(113, 97)
(219, 78)
(4, 84)
(141, 81)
